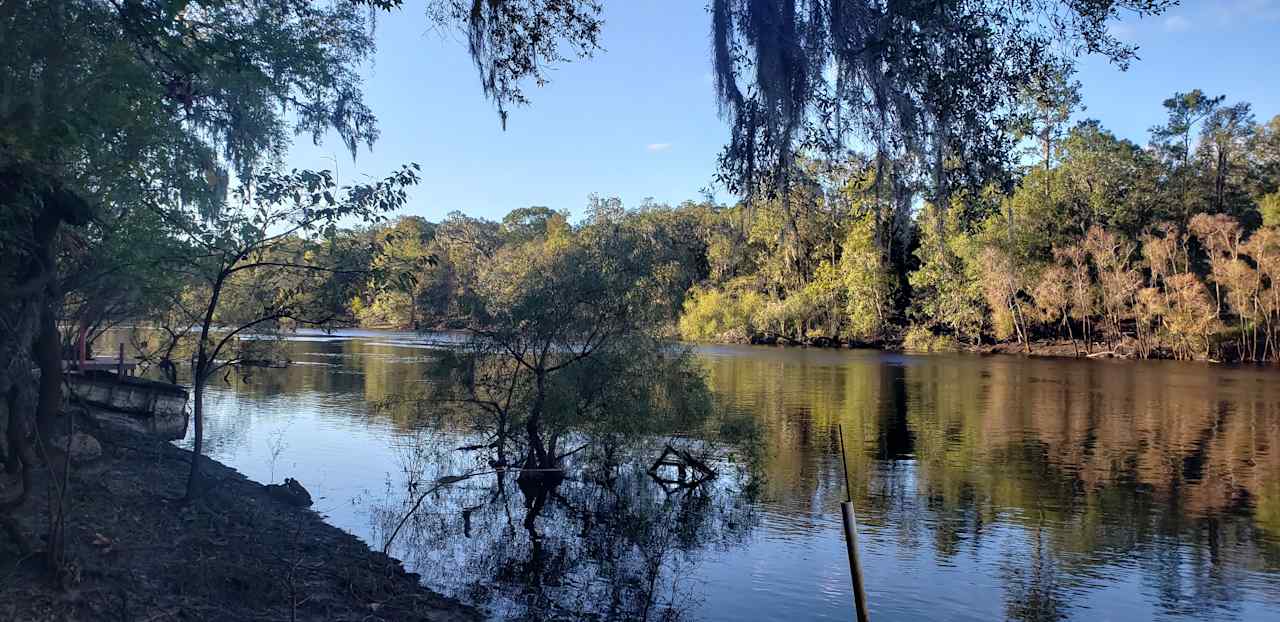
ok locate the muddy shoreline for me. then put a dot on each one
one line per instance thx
(239, 553)
(1041, 348)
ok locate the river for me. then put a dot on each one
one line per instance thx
(986, 488)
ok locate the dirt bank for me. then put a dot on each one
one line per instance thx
(1065, 349)
(239, 553)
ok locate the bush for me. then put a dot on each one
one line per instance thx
(921, 339)
(711, 314)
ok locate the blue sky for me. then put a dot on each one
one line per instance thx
(639, 119)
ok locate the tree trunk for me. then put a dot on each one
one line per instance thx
(1019, 324)
(533, 426)
(47, 352)
(1070, 333)
(1220, 181)
(200, 371)
(197, 448)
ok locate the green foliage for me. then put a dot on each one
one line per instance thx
(1269, 207)
(402, 269)
(714, 315)
(868, 281)
(272, 257)
(566, 340)
(921, 339)
(947, 287)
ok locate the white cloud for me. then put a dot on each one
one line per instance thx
(656, 147)
(1177, 23)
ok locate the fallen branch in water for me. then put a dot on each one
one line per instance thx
(681, 459)
(440, 483)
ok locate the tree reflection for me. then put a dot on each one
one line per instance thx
(1064, 476)
(602, 542)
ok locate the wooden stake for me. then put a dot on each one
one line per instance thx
(851, 539)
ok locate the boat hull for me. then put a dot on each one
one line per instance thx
(139, 405)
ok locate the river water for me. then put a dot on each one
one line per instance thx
(986, 488)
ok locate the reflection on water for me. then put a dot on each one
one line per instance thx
(986, 487)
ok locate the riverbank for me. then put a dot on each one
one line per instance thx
(1126, 348)
(239, 553)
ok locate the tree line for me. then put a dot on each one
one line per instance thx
(1164, 250)
(1100, 245)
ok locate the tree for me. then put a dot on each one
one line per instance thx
(250, 253)
(554, 323)
(1083, 294)
(1052, 295)
(948, 287)
(1185, 111)
(1109, 182)
(1002, 283)
(1264, 248)
(1264, 151)
(404, 249)
(110, 107)
(1046, 105)
(1118, 282)
(512, 41)
(1224, 142)
(529, 223)
(36, 206)
(925, 82)
(869, 284)
(1173, 140)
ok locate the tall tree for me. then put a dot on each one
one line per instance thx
(1173, 140)
(1224, 144)
(1045, 107)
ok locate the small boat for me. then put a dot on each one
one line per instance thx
(150, 407)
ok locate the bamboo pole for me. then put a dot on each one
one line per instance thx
(851, 539)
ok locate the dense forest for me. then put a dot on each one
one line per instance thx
(1167, 250)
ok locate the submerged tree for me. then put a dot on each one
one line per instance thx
(553, 317)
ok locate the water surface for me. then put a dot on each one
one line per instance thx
(986, 488)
